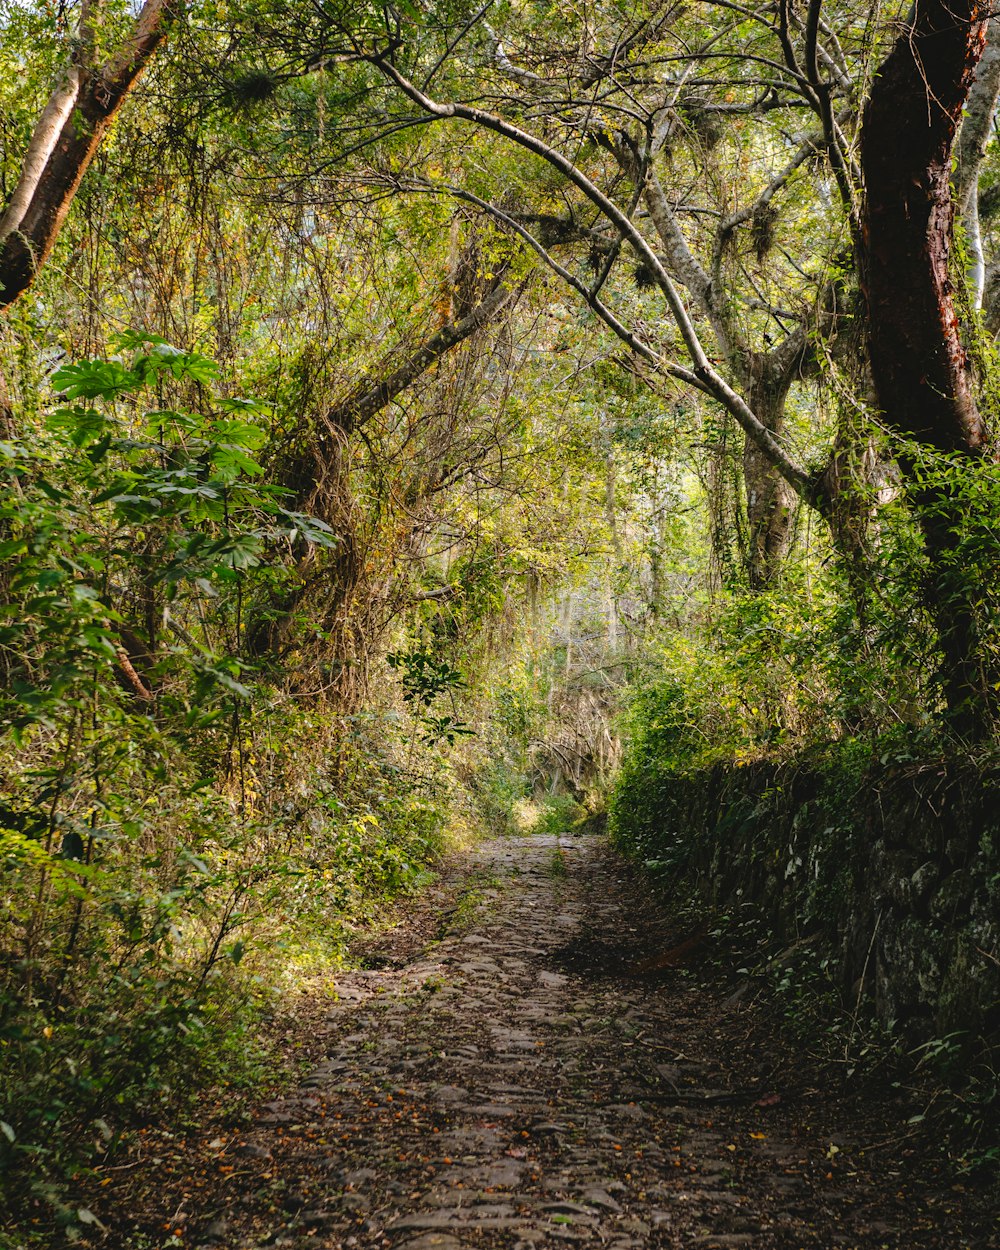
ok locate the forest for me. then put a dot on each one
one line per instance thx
(565, 427)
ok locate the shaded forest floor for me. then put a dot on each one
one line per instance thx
(503, 1073)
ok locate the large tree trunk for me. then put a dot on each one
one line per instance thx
(919, 364)
(316, 472)
(920, 367)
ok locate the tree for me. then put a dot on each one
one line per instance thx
(921, 366)
(91, 85)
(566, 109)
(606, 104)
(628, 129)
(316, 469)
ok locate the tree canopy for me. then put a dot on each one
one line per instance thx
(394, 395)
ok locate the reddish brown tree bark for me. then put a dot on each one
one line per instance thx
(922, 374)
(919, 365)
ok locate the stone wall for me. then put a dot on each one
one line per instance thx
(894, 868)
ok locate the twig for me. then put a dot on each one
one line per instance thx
(986, 955)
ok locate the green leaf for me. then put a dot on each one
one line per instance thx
(91, 379)
(311, 528)
(160, 421)
(236, 404)
(134, 340)
(82, 425)
(242, 433)
(230, 683)
(230, 462)
(200, 368)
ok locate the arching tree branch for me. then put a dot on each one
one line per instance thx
(711, 381)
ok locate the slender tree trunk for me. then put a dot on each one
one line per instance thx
(66, 139)
(977, 127)
(765, 379)
(770, 500)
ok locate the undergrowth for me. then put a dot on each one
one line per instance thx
(792, 768)
(125, 997)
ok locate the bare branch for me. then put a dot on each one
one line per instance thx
(372, 394)
(710, 379)
(526, 78)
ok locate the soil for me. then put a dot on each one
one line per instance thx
(530, 1060)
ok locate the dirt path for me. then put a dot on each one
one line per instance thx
(514, 1084)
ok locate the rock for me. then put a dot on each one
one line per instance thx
(630, 1111)
(318, 1219)
(424, 1220)
(952, 897)
(633, 1225)
(504, 1174)
(529, 1108)
(433, 1241)
(600, 1198)
(724, 1239)
(565, 1208)
(359, 1176)
(923, 881)
(451, 1093)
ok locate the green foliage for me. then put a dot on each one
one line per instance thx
(145, 974)
(425, 677)
(231, 726)
(497, 787)
(825, 655)
(162, 868)
(557, 813)
(126, 503)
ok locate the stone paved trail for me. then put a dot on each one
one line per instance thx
(515, 1085)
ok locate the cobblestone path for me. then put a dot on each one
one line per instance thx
(515, 1084)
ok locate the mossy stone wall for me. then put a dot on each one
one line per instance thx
(894, 867)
